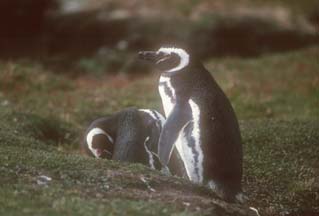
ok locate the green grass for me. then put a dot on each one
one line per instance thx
(281, 163)
(277, 86)
(43, 115)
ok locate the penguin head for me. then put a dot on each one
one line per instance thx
(99, 143)
(167, 59)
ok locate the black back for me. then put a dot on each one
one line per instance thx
(220, 135)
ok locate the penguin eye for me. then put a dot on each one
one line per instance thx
(168, 61)
(162, 54)
(163, 57)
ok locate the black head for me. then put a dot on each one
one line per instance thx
(166, 59)
(102, 146)
(99, 143)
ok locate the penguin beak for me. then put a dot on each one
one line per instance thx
(149, 56)
(153, 57)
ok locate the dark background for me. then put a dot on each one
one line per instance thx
(62, 33)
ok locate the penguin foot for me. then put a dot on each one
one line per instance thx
(166, 171)
(227, 194)
(241, 198)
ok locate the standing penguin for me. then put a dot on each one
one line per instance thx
(130, 135)
(200, 122)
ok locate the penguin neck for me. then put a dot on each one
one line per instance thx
(172, 74)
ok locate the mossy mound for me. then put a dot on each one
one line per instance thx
(280, 174)
(37, 178)
(50, 130)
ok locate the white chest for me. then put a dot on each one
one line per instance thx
(189, 146)
(167, 93)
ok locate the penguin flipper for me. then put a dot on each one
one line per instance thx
(176, 164)
(175, 121)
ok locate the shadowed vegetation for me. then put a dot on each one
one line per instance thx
(103, 36)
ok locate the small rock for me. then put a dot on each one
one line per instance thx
(43, 180)
(5, 103)
(187, 204)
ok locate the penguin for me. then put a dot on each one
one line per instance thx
(200, 123)
(130, 135)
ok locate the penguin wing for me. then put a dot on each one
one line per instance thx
(175, 121)
(176, 164)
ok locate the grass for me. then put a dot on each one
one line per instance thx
(187, 7)
(43, 115)
(277, 86)
(282, 164)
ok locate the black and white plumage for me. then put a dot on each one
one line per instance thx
(200, 122)
(130, 135)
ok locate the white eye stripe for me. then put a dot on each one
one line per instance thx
(181, 53)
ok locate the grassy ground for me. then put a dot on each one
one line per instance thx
(191, 7)
(43, 114)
